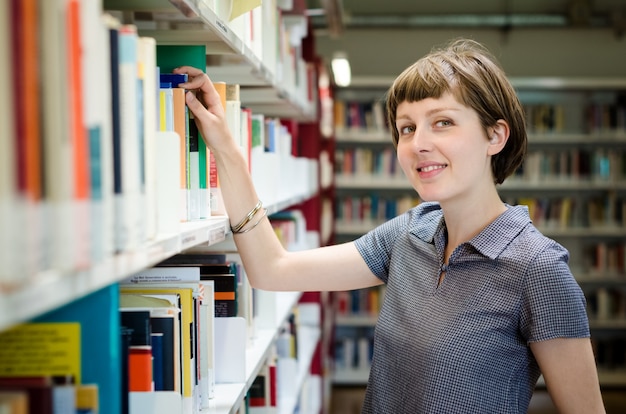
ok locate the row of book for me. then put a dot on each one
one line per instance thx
(564, 165)
(99, 152)
(577, 117)
(360, 161)
(353, 348)
(570, 212)
(374, 208)
(606, 258)
(359, 302)
(606, 303)
(573, 164)
(544, 118)
(357, 115)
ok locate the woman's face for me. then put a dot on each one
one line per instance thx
(443, 149)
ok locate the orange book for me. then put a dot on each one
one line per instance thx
(140, 368)
(75, 88)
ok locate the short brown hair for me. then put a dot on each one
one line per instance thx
(467, 70)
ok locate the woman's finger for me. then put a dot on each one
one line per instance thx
(200, 81)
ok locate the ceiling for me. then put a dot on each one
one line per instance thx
(340, 14)
(572, 38)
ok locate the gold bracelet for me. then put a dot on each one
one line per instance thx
(247, 218)
(253, 226)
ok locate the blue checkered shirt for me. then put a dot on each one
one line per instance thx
(462, 346)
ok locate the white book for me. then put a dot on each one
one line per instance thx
(207, 348)
(167, 156)
(97, 104)
(129, 207)
(57, 147)
(64, 399)
(150, 102)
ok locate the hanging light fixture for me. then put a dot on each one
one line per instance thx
(341, 69)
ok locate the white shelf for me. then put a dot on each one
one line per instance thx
(355, 227)
(362, 136)
(50, 289)
(539, 83)
(605, 138)
(608, 324)
(371, 181)
(564, 184)
(356, 320)
(229, 397)
(351, 376)
(308, 337)
(268, 95)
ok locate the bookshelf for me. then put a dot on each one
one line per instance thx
(281, 85)
(573, 181)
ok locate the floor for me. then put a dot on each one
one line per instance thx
(347, 400)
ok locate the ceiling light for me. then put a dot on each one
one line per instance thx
(341, 69)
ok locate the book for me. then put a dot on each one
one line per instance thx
(181, 127)
(224, 277)
(188, 312)
(78, 136)
(27, 144)
(120, 221)
(137, 323)
(96, 96)
(13, 402)
(165, 321)
(150, 87)
(129, 202)
(39, 392)
(26, 92)
(216, 198)
(167, 146)
(206, 338)
(41, 349)
(168, 58)
(87, 401)
(9, 275)
(97, 315)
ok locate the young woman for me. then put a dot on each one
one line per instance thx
(478, 302)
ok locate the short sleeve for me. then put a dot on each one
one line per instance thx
(375, 246)
(553, 304)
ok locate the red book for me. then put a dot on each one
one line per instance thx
(26, 94)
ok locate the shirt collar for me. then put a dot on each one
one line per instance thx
(490, 242)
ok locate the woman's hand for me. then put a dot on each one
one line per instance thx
(205, 103)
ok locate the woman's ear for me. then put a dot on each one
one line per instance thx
(498, 136)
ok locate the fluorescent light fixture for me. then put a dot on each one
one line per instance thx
(341, 69)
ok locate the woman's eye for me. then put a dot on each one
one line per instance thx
(443, 123)
(406, 130)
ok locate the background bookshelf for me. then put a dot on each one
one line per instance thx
(573, 182)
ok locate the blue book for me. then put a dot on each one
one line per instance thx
(98, 316)
(157, 360)
(174, 79)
